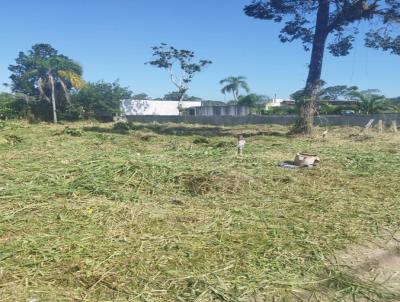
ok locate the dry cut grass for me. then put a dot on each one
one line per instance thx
(169, 213)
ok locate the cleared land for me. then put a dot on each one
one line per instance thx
(169, 213)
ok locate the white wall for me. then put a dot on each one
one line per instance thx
(150, 107)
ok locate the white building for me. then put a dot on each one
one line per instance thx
(279, 102)
(151, 107)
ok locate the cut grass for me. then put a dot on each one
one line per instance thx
(142, 213)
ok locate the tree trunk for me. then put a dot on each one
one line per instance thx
(181, 98)
(53, 98)
(235, 97)
(306, 115)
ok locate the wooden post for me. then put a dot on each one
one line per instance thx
(380, 126)
(324, 134)
(367, 126)
(394, 126)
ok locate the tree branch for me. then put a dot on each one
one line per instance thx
(348, 9)
(171, 75)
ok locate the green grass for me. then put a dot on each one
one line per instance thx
(169, 213)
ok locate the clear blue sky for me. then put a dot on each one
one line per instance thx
(112, 40)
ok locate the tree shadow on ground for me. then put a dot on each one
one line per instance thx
(189, 130)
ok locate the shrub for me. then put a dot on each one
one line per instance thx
(13, 106)
(121, 126)
(201, 140)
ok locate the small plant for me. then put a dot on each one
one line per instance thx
(13, 139)
(122, 126)
(201, 140)
(72, 132)
(224, 144)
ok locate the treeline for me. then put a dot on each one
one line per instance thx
(98, 101)
(48, 86)
(341, 99)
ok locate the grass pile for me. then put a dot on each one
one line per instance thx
(169, 213)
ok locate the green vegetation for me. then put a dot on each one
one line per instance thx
(168, 57)
(13, 105)
(233, 85)
(100, 101)
(332, 25)
(369, 103)
(48, 86)
(47, 75)
(134, 212)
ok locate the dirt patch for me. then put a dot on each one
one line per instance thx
(377, 262)
(362, 273)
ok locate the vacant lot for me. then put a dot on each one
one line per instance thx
(169, 213)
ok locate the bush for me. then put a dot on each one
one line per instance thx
(41, 110)
(13, 106)
(13, 139)
(72, 131)
(101, 100)
(200, 140)
(72, 113)
(122, 126)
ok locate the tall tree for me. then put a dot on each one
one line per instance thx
(233, 85)
(331, 24)
(170, 58)
(44, 73)
(336, 93)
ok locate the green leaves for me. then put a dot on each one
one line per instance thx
(380, 39)
(299, 18)
(101, 99)
(369, 103)
(43, 73)
(233, 85)
(167, 57)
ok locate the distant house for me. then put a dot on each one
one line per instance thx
(232, 110)
(288, 103)
(154, 107)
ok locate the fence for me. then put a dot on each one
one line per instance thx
(328, 120)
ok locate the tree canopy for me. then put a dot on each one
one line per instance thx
(168, 57)
(47, 75)
(299, 21)
(368, 102)
(141, 96)
(175, 96)
(234, 85)
(338, 92)
(101, 100)
(332, 24)
(253, 99)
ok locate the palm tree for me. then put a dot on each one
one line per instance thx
(44, 73)
(56, 76)
(233, 85)
(368, 103)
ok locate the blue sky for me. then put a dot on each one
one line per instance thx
(112, 40)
